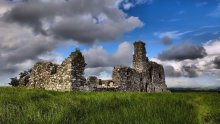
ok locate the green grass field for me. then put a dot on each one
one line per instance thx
(21, 106)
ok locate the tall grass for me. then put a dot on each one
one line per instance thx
(38, 106)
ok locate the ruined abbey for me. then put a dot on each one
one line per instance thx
(144, 76)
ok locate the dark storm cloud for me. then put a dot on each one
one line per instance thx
(6, 69)
(166, 40)
(183, 51)
(18, 45)
(186, 71)
(190, 71)
(80, 20)
(29, 19)
(29, 51)
(217, 62)
(30, 13)
(171, 72)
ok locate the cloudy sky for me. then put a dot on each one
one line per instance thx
(183, 35)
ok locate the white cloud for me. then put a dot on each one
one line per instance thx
(104, 73)
(97, 56)
(128, 4)
(212, 47)
(52, 57)
(167, 37)
(171, 34)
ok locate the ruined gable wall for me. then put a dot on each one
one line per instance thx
(61, 81)
(65, 77)
(69, 74)
(46, 75)
(40, 75)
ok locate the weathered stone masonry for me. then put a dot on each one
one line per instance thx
(144, 76)
(139, 58)
(65, 77)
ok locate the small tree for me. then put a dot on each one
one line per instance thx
(23, 74)
(14, 82)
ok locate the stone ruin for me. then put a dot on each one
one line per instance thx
(144, 76)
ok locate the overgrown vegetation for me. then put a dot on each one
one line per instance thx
(22, 80)
(19, 105)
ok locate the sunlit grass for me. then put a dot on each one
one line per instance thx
(19, 105)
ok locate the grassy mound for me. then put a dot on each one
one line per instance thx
(39, 106)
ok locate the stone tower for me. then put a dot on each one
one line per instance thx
(139, 58)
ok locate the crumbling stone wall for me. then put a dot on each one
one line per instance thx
(41, 73)
(92, 81)
(96, 84)
(157, 78)
(156, 88)
(157, 73)
(65, 77)
(127, 79)
(107, 83)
